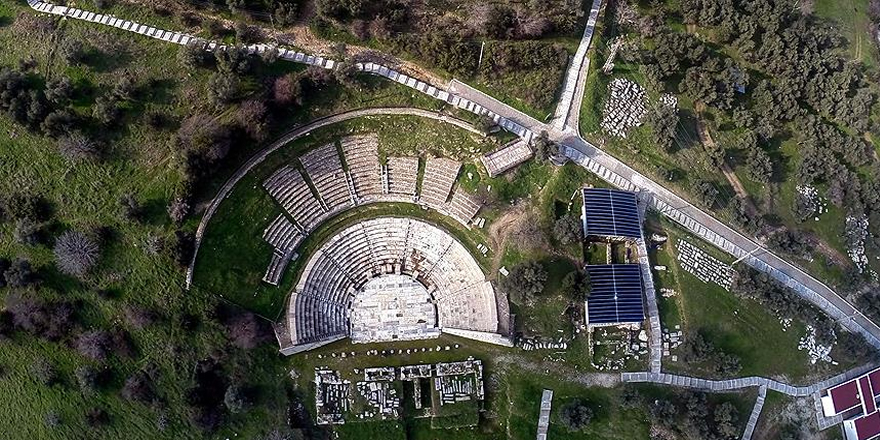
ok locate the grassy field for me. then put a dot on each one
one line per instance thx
(730, 322)
(851, 17)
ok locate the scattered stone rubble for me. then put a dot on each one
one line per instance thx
(621, 343)
(459, 381)
(344, 354)
(814, 349)
(624, 108)
(332, 398)
(378, 395)
(817, 204)
(672, 340)
(856, 233)
(529, 344)
(704, 266)
(669, 100)
(378, 391)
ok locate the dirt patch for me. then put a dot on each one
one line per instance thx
(501, 229)
(735, 183)
(830, 253)
(603, 380)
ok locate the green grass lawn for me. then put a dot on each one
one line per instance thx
(730, 322)
(533, 91)
(851, 17)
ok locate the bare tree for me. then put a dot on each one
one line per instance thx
(75, 253)
(138, 387)
(76, 147)
(246, 330)
(178, 210)
(94, 344)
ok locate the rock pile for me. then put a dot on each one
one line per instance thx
(672, 340)
(814, 349)
(529, 344)
(856, 233)
(669, 100)
(814, 201)
(704, 266)
(617, 346)
(624, 108)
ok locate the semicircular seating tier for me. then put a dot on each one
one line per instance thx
(331, 178)
(387, 279)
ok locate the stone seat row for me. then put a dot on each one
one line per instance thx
(334, 189)
(317, 319)
(284, 238)
(336, 271)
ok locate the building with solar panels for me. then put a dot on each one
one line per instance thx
(612, 216)
(615, 295)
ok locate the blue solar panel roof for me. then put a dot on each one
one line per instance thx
(615, 294)
(611, 213)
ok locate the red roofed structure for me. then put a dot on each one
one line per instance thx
(845, 396)
(856, 402)
(866, 427)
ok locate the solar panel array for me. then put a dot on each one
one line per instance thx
(611, 213)
(615, 294)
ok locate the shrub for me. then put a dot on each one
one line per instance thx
(544, 147)
(87, 378)
(44, 372)
(235, 60)
(576, 284)
(106, 109)
(567, 230)
(246, 330)
(132, 209)
(52, 419)
(576, 415)
(35, 317)
(235, 399)
(59, 91)
(285, 13)
(126, 87)
(204, 136)
(77, 147)
(76, 253)
(23, 205)
(139, 388)
(178, 210)
(97, 417)
(223, 88)
(525, 280)
(157, 119)
(94, 344)
(252, 117)
(6, 326)
(246, 34)
(140, 317)
(193, 55)
(183, 247)
(19, 274)
(287, 90)
(72, 50)
(27, 231)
